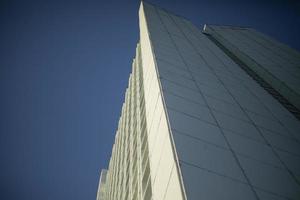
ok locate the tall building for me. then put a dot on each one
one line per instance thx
(208, 114)
(102, 190)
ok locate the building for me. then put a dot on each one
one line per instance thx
(102, 190)
(208, 114)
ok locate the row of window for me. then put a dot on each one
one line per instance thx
(129, 168)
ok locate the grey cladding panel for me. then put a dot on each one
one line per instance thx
(202, 184)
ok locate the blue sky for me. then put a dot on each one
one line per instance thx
(64, 67)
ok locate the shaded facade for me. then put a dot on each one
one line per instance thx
(197, 121)
(275, 63)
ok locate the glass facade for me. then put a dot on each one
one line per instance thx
(196, 124)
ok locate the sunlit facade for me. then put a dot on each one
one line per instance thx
(202, 118)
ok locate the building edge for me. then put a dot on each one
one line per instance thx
(102, 185)
(175, 155)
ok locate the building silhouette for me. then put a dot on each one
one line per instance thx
(208, 114)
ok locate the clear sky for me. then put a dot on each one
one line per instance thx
(64, 67)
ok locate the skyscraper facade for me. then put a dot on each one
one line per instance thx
(210, 114)
(102, 190)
